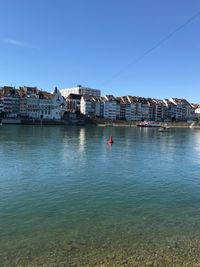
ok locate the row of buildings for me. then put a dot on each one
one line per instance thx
(131, 108)
(30, 102)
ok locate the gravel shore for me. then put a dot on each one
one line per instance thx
(176, 252)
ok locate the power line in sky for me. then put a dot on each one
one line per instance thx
(158, 44)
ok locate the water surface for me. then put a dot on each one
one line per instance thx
(67, 198)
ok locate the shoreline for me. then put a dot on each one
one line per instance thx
(96, 123)
(135, 126)
(173, 251)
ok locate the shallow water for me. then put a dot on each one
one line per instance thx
(69, 199)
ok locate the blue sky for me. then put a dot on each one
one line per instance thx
(96, 43)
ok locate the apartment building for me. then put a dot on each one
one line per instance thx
(183, 109)
(171, 110)
(80, 90)
(157, 109)
(87, 105)
(132, 112)
(123, 102)
(92, 106)
(111, 107)
(10, 100)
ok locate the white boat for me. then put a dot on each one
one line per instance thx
(192, 124)
(149, 124)
(163, 128)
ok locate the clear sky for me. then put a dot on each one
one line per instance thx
(97, 43)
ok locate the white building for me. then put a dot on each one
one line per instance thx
(111, 107)
(184, 109)
(131, 111)
(80, 90)
(51, 106)
(32, 105)
(87, 105)
(91, 105)
(58, 103)
(137, 108)
(157, 109)
(197, 111)
(99, 107)
(45, 105)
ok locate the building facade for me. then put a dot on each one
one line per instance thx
(31, 103)
(80, 90)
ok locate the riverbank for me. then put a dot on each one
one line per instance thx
(119, 123)
(97, 122)
(177, 251)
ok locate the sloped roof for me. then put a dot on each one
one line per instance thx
(125, 100)
(155, 101)
(169, 102)
(138, 99)
(74, 97)
(88, 97)
(195, 106)
(45, 95)
(180, 101)
(110, 98)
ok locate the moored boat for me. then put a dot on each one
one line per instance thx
(163, 128)
(149, 124)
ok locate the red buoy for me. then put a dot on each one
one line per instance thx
(110, 141)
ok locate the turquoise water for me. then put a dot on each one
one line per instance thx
(67, 198)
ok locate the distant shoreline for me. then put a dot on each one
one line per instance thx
(134, 124)
(98, 123)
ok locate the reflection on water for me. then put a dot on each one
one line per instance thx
(82, 140)
(69, 199)
(196, 145)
